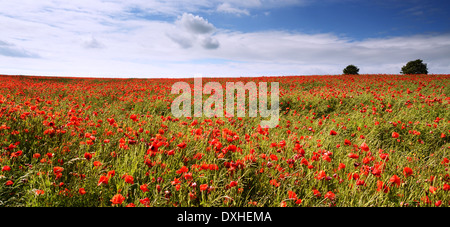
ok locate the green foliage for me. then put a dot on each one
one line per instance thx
(415, 67)
(351, 70)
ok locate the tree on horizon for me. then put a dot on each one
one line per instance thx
(351, 70)
(415, 67)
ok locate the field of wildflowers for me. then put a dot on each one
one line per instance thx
(345, 141)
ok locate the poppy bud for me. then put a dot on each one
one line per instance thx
(167, 194)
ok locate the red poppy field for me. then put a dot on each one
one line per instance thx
(344, 141)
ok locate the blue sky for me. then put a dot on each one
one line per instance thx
(156, 38)
(354, 19)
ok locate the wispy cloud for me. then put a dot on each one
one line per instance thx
(92, 43)
(210, 43)
(227, 8)
(10, 50)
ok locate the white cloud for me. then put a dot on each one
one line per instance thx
(92, 43)
(210, 43)
(182, 39)
(227, 8)
(10, 50)
(190, 29)
(195, 24)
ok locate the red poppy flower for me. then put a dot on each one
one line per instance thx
(446, 187)
(97, 163)
(438, 203)
(183, 169)
(347, 142)
(133, 117)
(384, 156)
(395, 135)
(182, 145)
(282, 143)
(57, 171)
(352, 155)
(232, 148)
(232, 184)
(304, 162)
(326, 158)
(395, 180)
(103, 180)
(292, 195)
(6, 168)
(273, 157)
(187, 176)
(321, 175)
(364, 147)
(111, 173)
(354, 176)
(145, 201)
(81, 191)
(426, 199)
(330, 195)
(316, 193)
(213, 167)
(407, 171)
(144, 188)
(432, 189)
(128, 179)
(203, 187)
(382, 186)
(117, 199)
(176, 181)
(87, 156)
(274, 183)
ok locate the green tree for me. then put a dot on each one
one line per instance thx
(351, 70)
(415, 67)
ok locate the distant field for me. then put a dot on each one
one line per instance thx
(345, 141)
